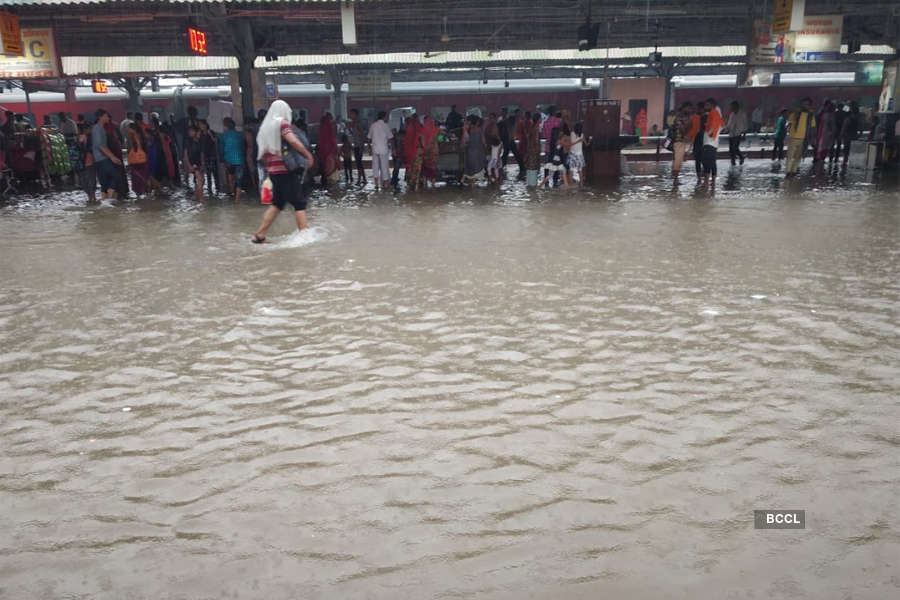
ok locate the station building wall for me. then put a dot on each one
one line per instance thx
(651, 90)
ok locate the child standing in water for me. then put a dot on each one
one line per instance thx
(347, 157)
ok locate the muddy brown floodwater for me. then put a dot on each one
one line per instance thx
(455, 394)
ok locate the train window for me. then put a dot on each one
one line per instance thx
(544, 108)
(368, 114)
(439, 113)
(511, 108)
(477, 110)
(300, 114)
(397, 117)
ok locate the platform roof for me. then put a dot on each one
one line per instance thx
(303, 27)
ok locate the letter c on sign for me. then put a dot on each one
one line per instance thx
(36, 48)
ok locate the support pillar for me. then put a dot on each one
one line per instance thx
(133, 87)
(668, 71)
(28, 106)
(338, 98)
(245, 48)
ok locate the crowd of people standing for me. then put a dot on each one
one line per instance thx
(826, 135)
(548, 149)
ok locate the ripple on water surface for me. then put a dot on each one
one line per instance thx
(460, 393)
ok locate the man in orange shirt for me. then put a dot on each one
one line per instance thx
(681, 129)
(714, 124)
(693, 136)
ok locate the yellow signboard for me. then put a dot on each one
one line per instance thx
(781, 18)
(788, 15)
(39, 60)
(12, 36)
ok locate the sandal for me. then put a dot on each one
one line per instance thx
(258, 240)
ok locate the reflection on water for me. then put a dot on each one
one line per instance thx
(462, 393)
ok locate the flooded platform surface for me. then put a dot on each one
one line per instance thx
(455, 394)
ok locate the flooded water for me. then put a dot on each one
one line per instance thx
(455, 394)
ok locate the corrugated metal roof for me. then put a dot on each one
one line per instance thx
(81, 65)
(501, 57)
(89, 65)
(69, 2)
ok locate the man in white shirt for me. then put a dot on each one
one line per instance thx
(379, 138)
(737, 129)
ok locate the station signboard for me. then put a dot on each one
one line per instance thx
(377, 81)
(787, 15)
(766, 46)
(39, 60)
(819, 39)
(11, 34)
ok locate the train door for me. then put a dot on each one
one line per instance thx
(439, 113)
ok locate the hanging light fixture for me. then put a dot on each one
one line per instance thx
(588, 32)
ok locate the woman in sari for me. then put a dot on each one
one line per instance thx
(429, 150)
(138, 159)
(826, 131)
(411, 146)
(115, 146)
(640, 123)
(327, 149)
(532, 143)
(156, 155)
(476, 157)
(167, 140)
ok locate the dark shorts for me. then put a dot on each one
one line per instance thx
(286, 189)
(107, 174)
(237, 171)
(88, 177)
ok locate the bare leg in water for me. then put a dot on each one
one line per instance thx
(300, 215)
(267, 220)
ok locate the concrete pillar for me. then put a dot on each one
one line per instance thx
(246, 55)
(668, 71)
(338, 97)
(670, 96)
(132, 86)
